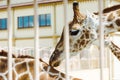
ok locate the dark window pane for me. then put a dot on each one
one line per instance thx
(20, 22)
(0, 25)
(3, 24)
(31, 21)
(26, 21)
(39, 20)
(42, 20)
(6, 23)
(48, 19)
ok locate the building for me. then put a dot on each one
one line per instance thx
(51, 20)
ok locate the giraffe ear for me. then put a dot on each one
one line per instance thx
(90, 14)
(78, 17)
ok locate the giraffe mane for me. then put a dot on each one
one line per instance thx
(4, 53)
(115, 44)
(112, 8)
(109, 9)
(25, 56)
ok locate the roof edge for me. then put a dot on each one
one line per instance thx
(30, 3)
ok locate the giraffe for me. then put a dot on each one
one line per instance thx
(113, 47)
(83, 31)
(23, 69)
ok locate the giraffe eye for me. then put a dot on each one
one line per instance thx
(74, 32)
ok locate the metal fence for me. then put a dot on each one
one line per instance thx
(36, 38)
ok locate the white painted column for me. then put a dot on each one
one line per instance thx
(66, 38)
(36, 41)
(101, 39)
(9, 25)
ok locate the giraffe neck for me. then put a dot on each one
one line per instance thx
(23, 69)
(115, 49)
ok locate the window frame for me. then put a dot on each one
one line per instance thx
(1, 24)
(23, 24)
(46, 22)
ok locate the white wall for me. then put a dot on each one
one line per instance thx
(3, 33)
(30, 43)
(3, 43)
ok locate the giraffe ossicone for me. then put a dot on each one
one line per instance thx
(83, 31)
(23, 69)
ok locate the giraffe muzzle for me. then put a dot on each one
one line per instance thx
(55, 58)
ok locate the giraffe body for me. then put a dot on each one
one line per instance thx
(23, 69)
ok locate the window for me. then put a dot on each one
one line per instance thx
(44, 20)
(3, 24)
(25, 22)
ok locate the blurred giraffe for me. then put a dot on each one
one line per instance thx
(23, 69)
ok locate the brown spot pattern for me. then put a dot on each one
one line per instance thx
(75, 45)
(87, 35)
(115, 50)
(118, 12)
(18, 60)
(24, 77)
(118, 22)
(20, 68)
(3, 65)
(82, 37)
(110, 17)
(110, 26)
(82, 42)
(1, 78)
(31, 67)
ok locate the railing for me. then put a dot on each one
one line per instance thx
(36, 49)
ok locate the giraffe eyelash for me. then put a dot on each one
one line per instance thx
(74, 32)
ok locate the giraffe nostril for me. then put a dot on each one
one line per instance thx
(51, 59)
(56, 64)
(55, 58)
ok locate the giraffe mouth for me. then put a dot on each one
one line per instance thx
(54, 63)
(55, 58)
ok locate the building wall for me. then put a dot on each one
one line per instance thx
(3, 33)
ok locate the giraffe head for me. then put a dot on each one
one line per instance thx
(110, 19)
(82, 32)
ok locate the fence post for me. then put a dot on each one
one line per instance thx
(101, 39)
(9, 25)
(36, 41)
(66, 38)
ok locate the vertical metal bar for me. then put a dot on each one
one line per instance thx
(9, 24)
(36, 41)
(66, 38)
(101, 39)
(110, 64)
(54, 33)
